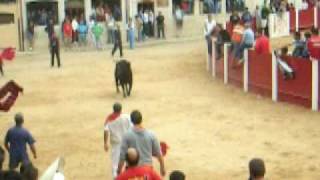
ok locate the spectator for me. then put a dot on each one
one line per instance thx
(116, 13)
(222, 37)
(55, 49)
(177, 175)
(110, 29)
(258, 17)
(146, 23)
(144, 141)
(209, 26)
(67, 33)
(139, 26)
(83, 31)
(313, 44)
(246, 42)
(304, 5)
(131, 33)
(151, 23)
(160, 25)
(116, 125)
(234, 18)
(30, 34)
(246, 16)
(50, 28)
(2, 155)
(236, 36)
(265, 11)
(299, 45)
(134, 171)
(179, 20)
(29, 172)
(117, 41)
(262, 45)
(256, 169)
(75, 26)
(97, 32)
(15, 142)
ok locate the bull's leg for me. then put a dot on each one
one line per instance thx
(117, 84)
(130, 87)
(123, 90)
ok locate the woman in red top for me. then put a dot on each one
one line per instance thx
(67, 33)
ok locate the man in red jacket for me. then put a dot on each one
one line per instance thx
(313, 44)
(262, 43)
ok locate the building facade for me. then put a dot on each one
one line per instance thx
(195, 12)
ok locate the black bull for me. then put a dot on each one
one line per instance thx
(123, 77)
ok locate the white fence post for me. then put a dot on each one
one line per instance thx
(213, 57)
(274, 78)
(246, 71)
(315, 84)
(315, 17)
(225, 62)
(297, 20)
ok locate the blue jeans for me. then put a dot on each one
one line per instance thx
(240, 50)
(131, 38)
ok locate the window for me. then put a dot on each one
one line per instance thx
(40, 12)
(210, 6)
(237, 5)
(6, 18)
(187, 6)
(101, 7)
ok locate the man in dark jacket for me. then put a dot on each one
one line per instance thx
(117, 41)
(54, 49)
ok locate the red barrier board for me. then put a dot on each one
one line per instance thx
(235, 74)
(297, 90)
(220, 68)
(260, 73)
(306, 18)
(292, 14)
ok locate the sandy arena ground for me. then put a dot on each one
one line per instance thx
(212, 130)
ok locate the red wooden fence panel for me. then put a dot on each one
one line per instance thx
(306, 18)
(260, 73)
(299, 89)
(235, 74)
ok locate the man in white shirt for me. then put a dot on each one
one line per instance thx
(209, 26)
(304, 5)
(74, 25)
(116, 125)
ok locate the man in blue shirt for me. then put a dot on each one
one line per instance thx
(16, 140)
(246, 43)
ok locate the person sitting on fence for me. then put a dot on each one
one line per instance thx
(234, 18)
(262, 45)
(284, 67)
(246, 16)
(257, 169)
(313, 44)
(246, 43)
(222, 37)
(298, 44)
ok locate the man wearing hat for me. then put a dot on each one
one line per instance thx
(116, 125)
(16, 141)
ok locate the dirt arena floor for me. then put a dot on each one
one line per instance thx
(212, 130)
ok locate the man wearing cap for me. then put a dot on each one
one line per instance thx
(134, 171)
(16, 140)
(116, 125)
